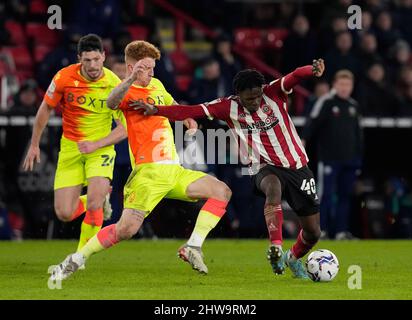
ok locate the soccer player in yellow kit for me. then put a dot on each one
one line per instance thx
(87, 152)
(157, 173)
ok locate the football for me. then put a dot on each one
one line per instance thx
(322, 265)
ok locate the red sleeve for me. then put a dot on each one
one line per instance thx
(219, 108)
(285, 84)
(216, 109)
(293, 78)
(181, 112)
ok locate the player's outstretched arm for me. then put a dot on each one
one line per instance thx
(115, 136)
(173, 113)
(40, 122)
(118, 93)
(316, 69)
(189, 123)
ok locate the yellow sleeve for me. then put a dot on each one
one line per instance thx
(118, 115)
(114, 80)
(168, 97)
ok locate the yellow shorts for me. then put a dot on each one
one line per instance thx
(151, 182)
(74, 168)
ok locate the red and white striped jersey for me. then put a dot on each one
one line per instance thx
(269, 132)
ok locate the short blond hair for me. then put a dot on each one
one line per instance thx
(140, 49)
(343, 74)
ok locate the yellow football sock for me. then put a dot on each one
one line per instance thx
(87, 232)
(104, 239)
(83, 199)
(205, 222)
(91, 225)
(92, 246)
(209, 216)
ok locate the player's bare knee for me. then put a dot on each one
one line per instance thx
(64, 213)
(222, 192)
(64, 217)
(227, 193)
(94, 204)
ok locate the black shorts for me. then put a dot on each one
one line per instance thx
(298, 188)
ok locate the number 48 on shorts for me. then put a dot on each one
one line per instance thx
(309, 186)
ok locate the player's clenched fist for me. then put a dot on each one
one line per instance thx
(32, 154)
(318, 67)
(191, 126)
(87, 146)
(138, 69)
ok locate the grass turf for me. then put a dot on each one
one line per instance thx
(238, 269)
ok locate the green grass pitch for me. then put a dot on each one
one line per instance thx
(238, 269)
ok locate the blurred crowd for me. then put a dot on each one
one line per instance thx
(379, 55)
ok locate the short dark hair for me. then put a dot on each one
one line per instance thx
(90, 42)
(248, 79)
(208, 61)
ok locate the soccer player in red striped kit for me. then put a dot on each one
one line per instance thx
(258, 116)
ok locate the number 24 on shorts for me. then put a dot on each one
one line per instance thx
(308, 186)
(107, 161)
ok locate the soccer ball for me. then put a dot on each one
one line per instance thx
(322, 265)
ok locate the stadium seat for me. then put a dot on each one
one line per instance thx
(248, 38)
(183, 82)
(40, 52)
(24, 75)
(138, 32)
(41, 34)
(38, 7)
(21, 57)
(16, 31)
(181, 62)
(274, 37)
(3, 68)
